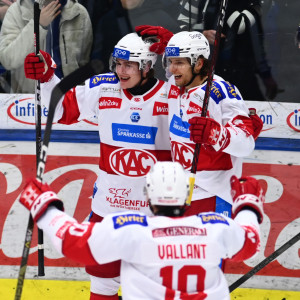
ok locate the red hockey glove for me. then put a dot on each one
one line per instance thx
(37, 197)
(246, 192)
(160, 34)
(256, 122)
(39, 67)
(208, 131)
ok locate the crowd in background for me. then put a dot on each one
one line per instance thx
(259, 49)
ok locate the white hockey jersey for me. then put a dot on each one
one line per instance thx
(161, 257)
(227, 107)
(133, 134)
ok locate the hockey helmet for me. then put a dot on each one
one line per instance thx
(167, 184)
(133, 48)
(189, 44)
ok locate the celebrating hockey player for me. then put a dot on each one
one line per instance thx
(226, 133)
(132, 112)
(163, 256)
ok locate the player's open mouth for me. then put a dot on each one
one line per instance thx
(124, 78)
(177, 77)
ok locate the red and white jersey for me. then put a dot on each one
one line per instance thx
(227, 107)
(133, 134)
(161, 257)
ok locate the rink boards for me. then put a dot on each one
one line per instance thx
(72, 169)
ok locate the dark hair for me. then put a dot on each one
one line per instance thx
(205, 68)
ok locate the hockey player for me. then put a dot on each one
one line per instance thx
(132, 112)
(226, 133)
(163, 256)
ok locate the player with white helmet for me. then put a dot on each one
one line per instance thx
(131, 108)
(165, 256)
(226, 133)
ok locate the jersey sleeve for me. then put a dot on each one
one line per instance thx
(235, 118)
(77, 104)
(242, 240)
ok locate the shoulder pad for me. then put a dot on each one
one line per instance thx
(103, 78)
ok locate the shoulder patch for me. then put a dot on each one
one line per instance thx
(213, 218)
(130, 219)
(231, 90)
(216, 92)
(98, 79)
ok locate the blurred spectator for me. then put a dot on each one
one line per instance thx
(112, 19)
(68, 38)
(241, 55)
(4, 74)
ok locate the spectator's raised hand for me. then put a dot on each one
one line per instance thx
(49, 13)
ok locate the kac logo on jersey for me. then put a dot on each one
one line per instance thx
(131, 162)
(213, 218)
(179, 127)
(121, 53)
(172, 51)
(131, 219)
(183, 154)
(99, 79)
(134, 133)
(135, 117)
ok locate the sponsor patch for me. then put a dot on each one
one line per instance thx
(213, 218)
(178, 230)
(99, 79)
(231, 90)
(109, 102)
(134, 134)
(130, 219)
(179, 127)
(174, 92)
(171, 51)
(216, 92)
(194, 109)
(160, 108)
(121, 53)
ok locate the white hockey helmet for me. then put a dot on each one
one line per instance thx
(133, 48)
(167, 184)
(190, 44)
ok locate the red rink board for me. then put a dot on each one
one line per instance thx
(281, 213)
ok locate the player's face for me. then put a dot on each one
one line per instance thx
(128, 73)
(181, 69)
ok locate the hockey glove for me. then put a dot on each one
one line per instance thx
(207, 131)
(159, 34)
(37, 197)
(39, 67)
(247, 193)
(256, 122)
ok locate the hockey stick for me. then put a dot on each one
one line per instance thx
(265, 262)
(207, 93)
(38, 126)
(75, 78)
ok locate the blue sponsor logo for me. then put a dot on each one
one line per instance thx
(99, 79)
(121, 53)
(231, 90)
(135, 117)
(213, 218)
(130, 219)
(179, 127)
(171, 51)
(216, 92)
(134, 134)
